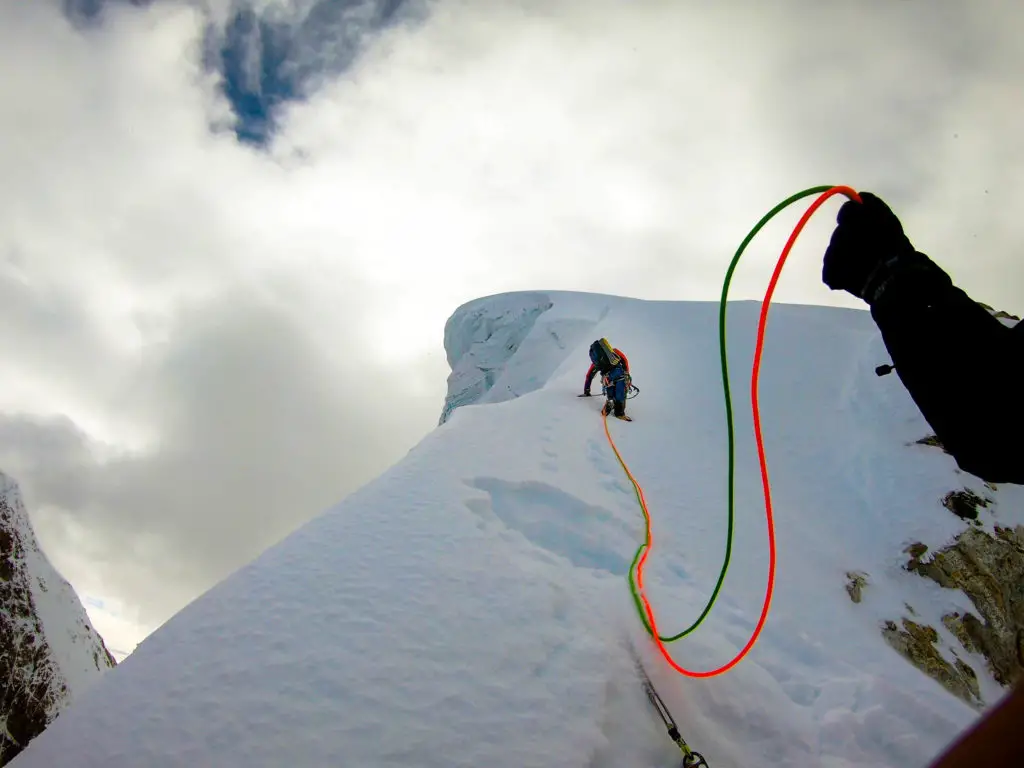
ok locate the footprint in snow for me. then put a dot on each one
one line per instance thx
(586, 535)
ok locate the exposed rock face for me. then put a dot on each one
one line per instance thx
(49, 651)
(933, 441)
(1000, 314)
(986, 567)
(856, 581)
(990, 571)
(965, 504)
(918, 644)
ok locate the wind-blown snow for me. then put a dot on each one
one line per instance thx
(470, 606)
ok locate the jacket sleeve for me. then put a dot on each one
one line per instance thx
(625, 360)
(962, 367)
(591, 372)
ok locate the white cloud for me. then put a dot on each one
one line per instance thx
(240, 338)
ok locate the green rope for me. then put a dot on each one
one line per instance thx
(730, 428)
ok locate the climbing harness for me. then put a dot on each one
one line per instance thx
(691, 759)
(632, 390)
(636, 569)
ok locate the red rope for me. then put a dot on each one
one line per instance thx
(754, 381)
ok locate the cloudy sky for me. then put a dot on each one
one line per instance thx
(231, 231)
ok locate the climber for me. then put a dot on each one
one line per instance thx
(961, 365)
(615, 377)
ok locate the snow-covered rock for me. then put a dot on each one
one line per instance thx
(49, 651)
(470, 607)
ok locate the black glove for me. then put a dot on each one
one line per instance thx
(865, 245)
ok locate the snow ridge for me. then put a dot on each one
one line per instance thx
(469, 607)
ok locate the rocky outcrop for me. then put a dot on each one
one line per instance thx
(965, 504)
(989, 569)
(49, 651)
(919, 645)
(856, 581)
(1000, 314)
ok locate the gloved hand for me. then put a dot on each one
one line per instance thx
(867, 238)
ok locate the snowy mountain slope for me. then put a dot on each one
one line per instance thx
(469, 607)
(50, 652)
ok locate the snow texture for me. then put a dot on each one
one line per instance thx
(470, 607)
(52, 654)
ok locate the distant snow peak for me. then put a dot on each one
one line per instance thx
(49, 652)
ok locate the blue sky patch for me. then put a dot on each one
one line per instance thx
(271, 58)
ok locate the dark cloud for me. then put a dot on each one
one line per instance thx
(259, 430)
